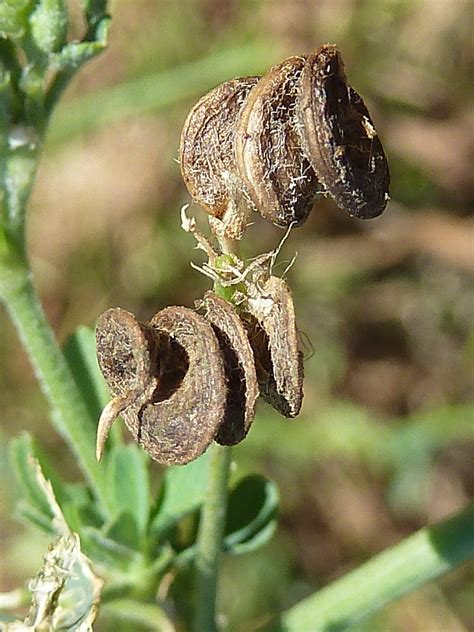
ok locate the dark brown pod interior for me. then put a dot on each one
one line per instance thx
(242, 387)
(339, 137)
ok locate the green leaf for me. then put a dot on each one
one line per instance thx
(251, 518)
(75, 54)
(73, 516)
(101, 30)
(124, 530)
(13, 17)
(23, 454)
(396, 571)
(78, 493)
(106, 551)
(44, 497)
(182, 492)
(129, 485)
(138, 613)
(156, 91)
(8, 58)
(34, 516)
(49, 23)
(80, 353)
(251, 514)
(95, 10)
(79, 507)
(75, 499)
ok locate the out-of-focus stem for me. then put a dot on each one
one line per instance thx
(19, 162)
(397, 571)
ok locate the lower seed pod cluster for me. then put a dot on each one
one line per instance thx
(184, 379)
(272, 144)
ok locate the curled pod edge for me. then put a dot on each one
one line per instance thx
(339, 137)
(278, 177)
(242, 387)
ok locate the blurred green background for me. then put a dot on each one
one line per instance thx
(385, 441)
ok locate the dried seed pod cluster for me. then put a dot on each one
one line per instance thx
(270, 144)
(273, 144)
(184, 379)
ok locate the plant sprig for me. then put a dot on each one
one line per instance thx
(36, 63)
(133, 537)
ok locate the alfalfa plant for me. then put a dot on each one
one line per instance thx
(186, 381)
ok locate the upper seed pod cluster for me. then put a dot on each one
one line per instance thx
(273, 144)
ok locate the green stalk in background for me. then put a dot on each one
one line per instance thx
(416, 560)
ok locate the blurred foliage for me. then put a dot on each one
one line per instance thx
(385, 441)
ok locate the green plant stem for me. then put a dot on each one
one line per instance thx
(56, 89)
(397, 571)
(70, 415)
(209, 541)
(17, 175)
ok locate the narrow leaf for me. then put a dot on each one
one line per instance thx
(128, 482)
(139, 613)
(25, 456)
(124, 530)
(107, 552)
(76, 54)
(31, 514)
(49, 23)
(80, 354)
(13, 17)
(419, 558)
(182, 492)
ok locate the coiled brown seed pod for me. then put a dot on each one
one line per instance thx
(277, 175)
(242, 387)
(207, 156)
(278, 141)
(167, 381)
(272, 332)
(339, 138)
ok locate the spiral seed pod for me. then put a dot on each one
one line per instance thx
(167, 381)
(277, 175)
(242, 387)
(127, 356)
(207, 156)
(339, 138)
(272, 332)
